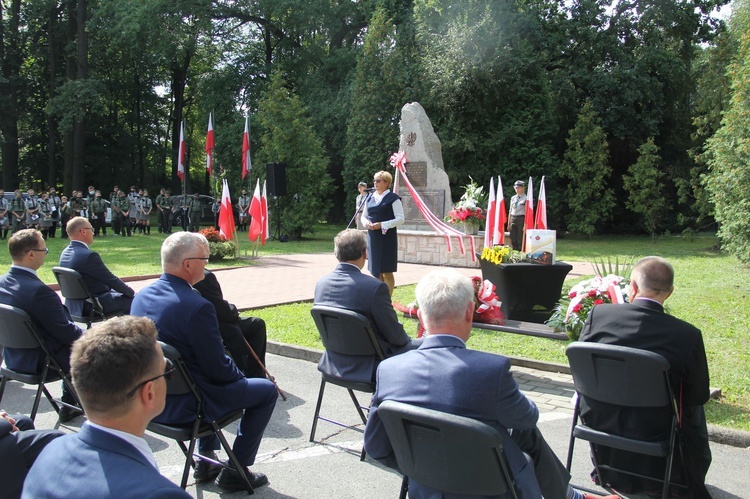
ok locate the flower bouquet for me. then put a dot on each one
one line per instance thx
(467, 211)
(573, 310)
(497, 254)
(219, 246)
(487, 309)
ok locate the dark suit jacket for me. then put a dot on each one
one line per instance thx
(187, 321)
(210, 289)
(643, 324)
(96, 275)
(446, 376)
(94, 464)
(348, 288)
(22, 289)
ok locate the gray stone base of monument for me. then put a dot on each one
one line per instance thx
(430, 248)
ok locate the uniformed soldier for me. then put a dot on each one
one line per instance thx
(65, 211)
(17, 212)
(45, 214)
(516, 215)
(183, 205)
(244, 204)
(157, 203)
(32, 210)
(194, 212)
(166, 212)
(135, 198)
(99, 208)
(89, 199)
(56, 202)
(4, 215)
(121, 208)
(144, 213)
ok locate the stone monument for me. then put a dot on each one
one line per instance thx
(417, 241)
(424, 167)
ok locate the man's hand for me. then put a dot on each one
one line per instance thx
(12, 421)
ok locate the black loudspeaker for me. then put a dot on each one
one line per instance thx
(276, 179)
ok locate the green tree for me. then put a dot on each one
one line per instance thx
(379, 91)
(288, 136)
(586, 166)
(728, 179)
(645, 187)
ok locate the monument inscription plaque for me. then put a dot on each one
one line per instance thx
(417, 173)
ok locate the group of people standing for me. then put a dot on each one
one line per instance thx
(42, 212)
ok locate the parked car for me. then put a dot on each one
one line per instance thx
(207, 214)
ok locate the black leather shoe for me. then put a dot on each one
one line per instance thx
(66, 414)
(231, 481)
(205, 471)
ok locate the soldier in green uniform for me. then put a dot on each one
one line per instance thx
(45, 215)
(17, 211)
(157, 202)
(121, 209)
(99, 208)
(194, 213)
(166, 212)
(65, 211)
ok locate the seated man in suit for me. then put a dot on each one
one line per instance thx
(188, 322)
(121, 375)
(20, 445)
(21, 288)
(114, 295)
(446, 376)
(236, 332)
(643, 324)
(348, 288)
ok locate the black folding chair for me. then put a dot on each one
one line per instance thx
(449, 453)
(182, 383)
(626, 377)
(346, 333)
(73, 287)
(18, 330)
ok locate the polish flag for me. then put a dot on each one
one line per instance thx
(226, 218)
(181, 153)
(541, 209)
(256, 212)
(264, 214)
(246, 163)
(501, 215)
(490, 226)
(210, 144)
(528, 221)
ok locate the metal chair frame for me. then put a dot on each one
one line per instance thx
(347, 333)
(182, 383)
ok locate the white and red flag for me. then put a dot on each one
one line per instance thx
(501, 215)
(489, 228)
(528, 221)
(264, 214)
(541, 209)
(246, 163)
(181, 153)
(256, 212)
(226, 217)
(210, 144)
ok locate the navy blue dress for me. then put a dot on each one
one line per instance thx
(382, 249)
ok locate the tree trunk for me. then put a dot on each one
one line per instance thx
(10, 59)
(52, 88)
(82, 66)
(70, 74)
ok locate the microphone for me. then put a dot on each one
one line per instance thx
(370, 189)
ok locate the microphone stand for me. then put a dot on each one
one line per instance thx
(361, 205)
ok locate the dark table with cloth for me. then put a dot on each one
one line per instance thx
(523, 286)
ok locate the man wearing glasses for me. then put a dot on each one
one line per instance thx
(121, 376)
(188, 322)
(114, 295)
(21, 288)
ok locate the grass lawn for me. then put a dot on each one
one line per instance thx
(712, 291)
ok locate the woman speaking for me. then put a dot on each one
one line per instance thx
(381, 215)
